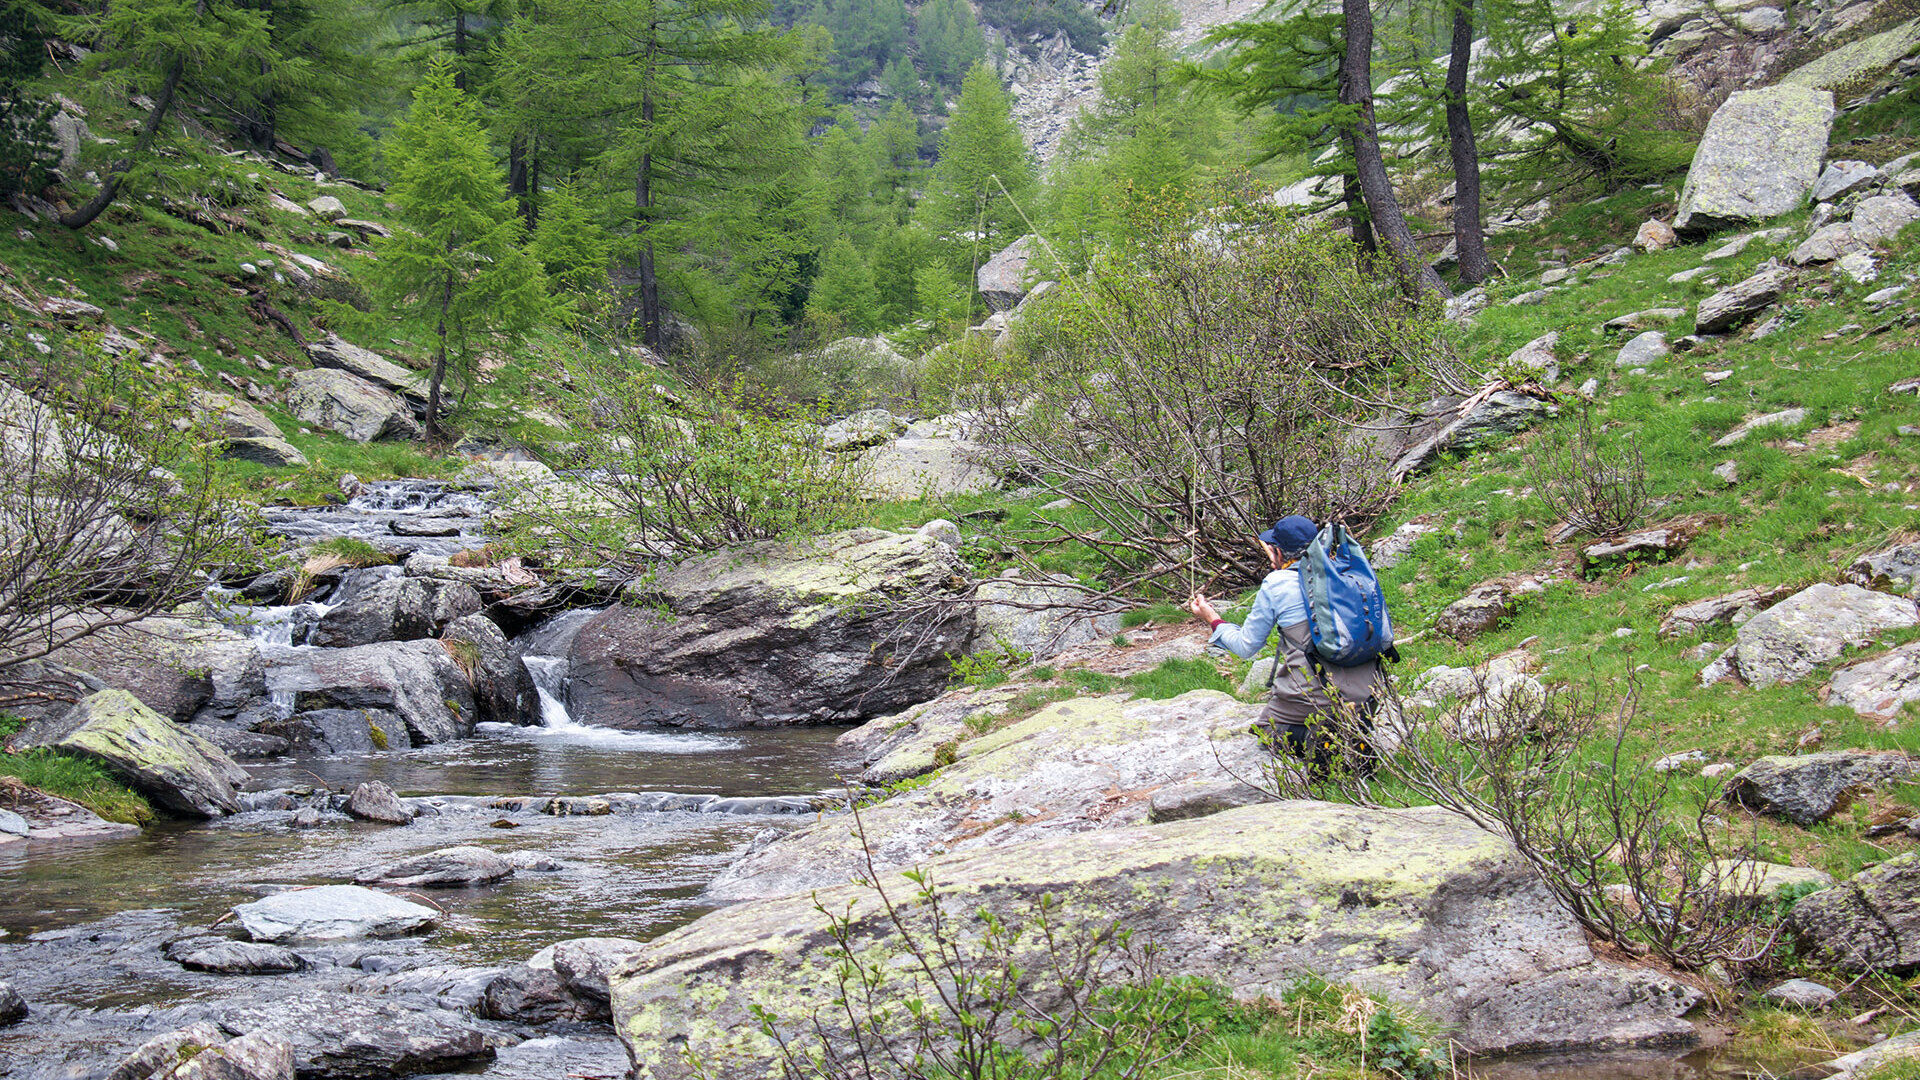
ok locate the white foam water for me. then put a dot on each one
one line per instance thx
(556, 723)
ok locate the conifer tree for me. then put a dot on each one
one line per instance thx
(843, 296)
(455, 262)
(951, 42)
(568, 243)
(983, 173)
(26, 139)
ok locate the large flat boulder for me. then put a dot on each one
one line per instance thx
(332, 913)
(773, 633)
(415, 680)
(448, 868)
(395, 608)
(908, 743)
(232, 418)
(1080, 765)
(1759, 158)
(1037, 619)
(1784, 643)
(350, 405)
(1457, 424)
(1854, 68)
(1740, 302)
(1879, 687)
(1416, 905)
(176, 769)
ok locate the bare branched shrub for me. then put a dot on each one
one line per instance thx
(1635, 853)
(110, 513)
(1594, 482)
(1202, 383)
(654, 476)
(942, 992)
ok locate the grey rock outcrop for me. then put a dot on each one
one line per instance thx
(414, 680)
(1643, 349)
(1810, 788)
(202, 1051)
(332, 913)
(1871, 921)
(1036, 618)
(869, 427)
(1787, 641)
(178, 770)
(1415, 905)
(1730, 609)
(1445, 424)
(1758, 159)
(350, 405)
(397, 608)
(365, 364)
(1800, 994)
(776, 633)
(232, 418)
(13, 1008)
(375, 801)
(273, 453)
(1843, 178)
(585, 967)
(364, 1036)
(1087, 763)
(1484, 607)
(917, 468)
(503, 691)
(1896, 568)
(1874, 220)
(336, 731)
(1647, 545)
(1783, 418)
(448, 868)
(1002, 280)
(181, 668)
(225, 956)
(1879, 687)
(1738, 303)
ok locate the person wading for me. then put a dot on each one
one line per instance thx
(1302, 714)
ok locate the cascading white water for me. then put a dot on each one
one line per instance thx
(550, 682)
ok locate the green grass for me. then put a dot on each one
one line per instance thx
(75, 779)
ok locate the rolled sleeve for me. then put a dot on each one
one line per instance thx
(1246, 640)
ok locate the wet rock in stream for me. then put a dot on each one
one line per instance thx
(13, 1007)
(375, 801)
(447, 868)
(225, 956)
(330, 913)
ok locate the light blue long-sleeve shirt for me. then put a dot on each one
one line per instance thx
(1282, 602)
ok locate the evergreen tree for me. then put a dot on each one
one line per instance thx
(695, 103)
(950, 42)
(843, 184)
(867, 35)
(894, 142)
(983, 176)
(465, 29)
(843, 296)
(899, 255)
(456, 260)
(902, 82)
(568, 243)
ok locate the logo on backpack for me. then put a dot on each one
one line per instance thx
(1347, 613)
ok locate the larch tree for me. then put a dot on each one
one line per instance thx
(455, 262)
(983, 174)
(1469, 232)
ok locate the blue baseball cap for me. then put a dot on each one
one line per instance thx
(1291, 534)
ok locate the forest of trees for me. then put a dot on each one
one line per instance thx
(805, 169)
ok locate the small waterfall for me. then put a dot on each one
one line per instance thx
(279, 625)
(550, 682)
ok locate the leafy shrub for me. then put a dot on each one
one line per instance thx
(1596, 484)
(1201, 384)
(659, 476)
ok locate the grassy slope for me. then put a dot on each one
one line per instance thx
(78, 780)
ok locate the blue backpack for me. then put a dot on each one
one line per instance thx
(1347, 613)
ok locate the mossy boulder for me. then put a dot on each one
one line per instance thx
(1852, 70)
(843, 627)
(1417, 905)
(169, 764)
(1089, 763)
(1759, 158)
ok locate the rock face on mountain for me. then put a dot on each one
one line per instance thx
(1759, 158)
(1089, 763)
(1417, 905)
(168, 763)
(843, 627)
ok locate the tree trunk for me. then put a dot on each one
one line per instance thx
(1356, 90)
(110, 189)
(439, 374)
(1358, 226)
(460, 50)
(643, 208)
(518, 179)
(1469, 235)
